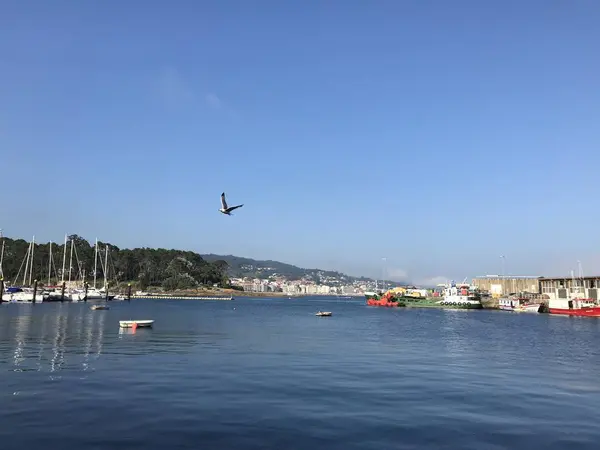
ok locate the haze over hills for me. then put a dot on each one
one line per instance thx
(242, 267)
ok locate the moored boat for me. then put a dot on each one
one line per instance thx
(323, 314)
(445, 296)
(585, 307)
(388, 299)
(138, 323)
(518, 304)
(461, 297)
(15, 294)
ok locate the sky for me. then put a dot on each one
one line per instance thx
(420, 140)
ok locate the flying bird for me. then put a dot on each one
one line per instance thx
(227, 209)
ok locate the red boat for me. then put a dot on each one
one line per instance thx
(586, 307)
(388, 299)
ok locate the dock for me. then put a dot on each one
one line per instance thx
(181, 297)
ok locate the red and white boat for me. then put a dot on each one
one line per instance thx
(574, 307)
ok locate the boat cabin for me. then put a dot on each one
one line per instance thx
(571, 303)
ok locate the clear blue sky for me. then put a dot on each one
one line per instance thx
(439, 135)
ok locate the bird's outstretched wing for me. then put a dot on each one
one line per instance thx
(231, 208)
(223, 202)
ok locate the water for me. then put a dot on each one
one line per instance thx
(268, 374)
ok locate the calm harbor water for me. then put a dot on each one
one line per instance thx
(267, 373)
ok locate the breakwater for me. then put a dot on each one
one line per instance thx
(181, 297)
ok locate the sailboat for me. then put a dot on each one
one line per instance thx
(25, 293)
(94, 293)
(100, 293)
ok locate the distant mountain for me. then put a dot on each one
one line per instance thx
(248, 267)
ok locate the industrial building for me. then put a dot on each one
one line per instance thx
(561, 287)
(498, 285)
(583, 287)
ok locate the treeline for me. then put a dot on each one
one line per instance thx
(143, 267)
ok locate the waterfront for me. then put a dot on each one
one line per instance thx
(266, 373)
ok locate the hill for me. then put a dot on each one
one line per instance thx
(148, 267)
(145, 267)
(247, 267)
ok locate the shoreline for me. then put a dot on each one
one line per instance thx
(225, 293)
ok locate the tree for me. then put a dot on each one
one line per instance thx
(144, 266)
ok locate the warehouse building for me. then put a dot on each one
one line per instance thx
(498, 285)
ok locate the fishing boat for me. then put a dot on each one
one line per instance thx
(585, 307)
(138, 323)
(323, 314)
(518, 304)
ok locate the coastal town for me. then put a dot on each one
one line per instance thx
(304, 286)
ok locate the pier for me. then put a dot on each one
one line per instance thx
(181, 297)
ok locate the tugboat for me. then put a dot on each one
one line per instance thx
(463, 299)
(388, 299)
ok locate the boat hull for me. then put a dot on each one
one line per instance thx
(439, 303)
(582, 312)
(534, 308)
(385, 304)
(138, 323)
(528, 309)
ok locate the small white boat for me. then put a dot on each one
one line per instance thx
(323, 314)
(138, 323)
(98, 307)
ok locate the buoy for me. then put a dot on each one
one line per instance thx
(134, 326)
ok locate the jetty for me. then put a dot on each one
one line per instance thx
(179, 297)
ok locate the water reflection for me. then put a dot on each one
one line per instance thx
(58, 348)
(50, 337)
(22, 328)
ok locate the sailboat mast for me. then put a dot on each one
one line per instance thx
(106, 268)
(27, 265)
(71, 261)
(1, 255)
(50, 263)
(95, 261)
(64, 259)
(31, 265)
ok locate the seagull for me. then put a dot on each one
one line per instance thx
(227, 209)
